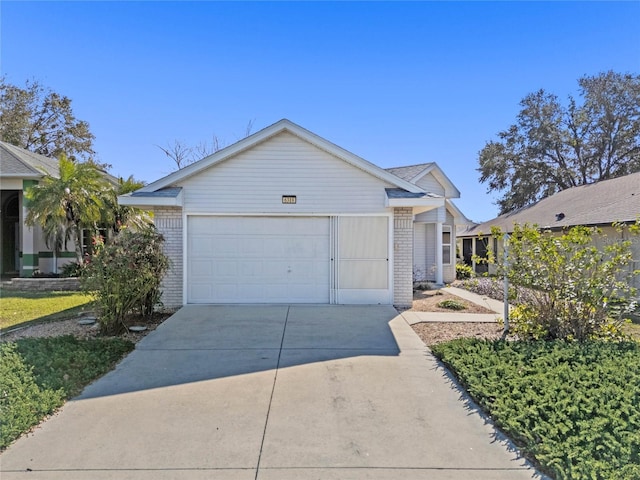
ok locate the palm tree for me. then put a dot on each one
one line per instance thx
(118, 216)
(64, 206)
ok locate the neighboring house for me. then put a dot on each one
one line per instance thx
(24, 251)
(285, 216)
(599, 204)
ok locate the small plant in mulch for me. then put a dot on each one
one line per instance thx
(452, 305)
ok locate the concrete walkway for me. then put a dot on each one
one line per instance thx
(270, 392)
(454, 316)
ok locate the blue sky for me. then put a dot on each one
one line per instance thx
(395, 83)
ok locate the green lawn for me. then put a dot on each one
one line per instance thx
(17, 307)
(573, 408)
(38, 374)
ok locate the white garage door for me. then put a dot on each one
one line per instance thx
(258, 259)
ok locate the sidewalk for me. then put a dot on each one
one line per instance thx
(494, 305)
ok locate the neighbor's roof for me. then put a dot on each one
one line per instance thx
(601, 203)
(16, 162)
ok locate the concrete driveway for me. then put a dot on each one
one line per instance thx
(270, 392)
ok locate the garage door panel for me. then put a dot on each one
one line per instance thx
(202, 269)
(258, 260)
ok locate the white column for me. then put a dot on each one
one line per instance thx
(439, 280)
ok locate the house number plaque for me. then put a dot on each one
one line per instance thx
(289, 199)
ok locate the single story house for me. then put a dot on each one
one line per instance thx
(596, 205)
(24, 249)
(285, 216)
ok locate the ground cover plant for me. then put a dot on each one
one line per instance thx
(452, 305)
(38, 374)
(572, 407)
(18, 307)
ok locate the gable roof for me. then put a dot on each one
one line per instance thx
(601, 203)
(283, 125)
(16, 162)
(413, 174)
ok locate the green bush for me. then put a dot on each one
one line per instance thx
(573, 407)
(124, 276)
(575, 288)
(72, 269)
(464, 271)
(451, 305)
(22, 402)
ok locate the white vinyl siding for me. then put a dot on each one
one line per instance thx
(254, 181)
(419, 251)
(430, 184)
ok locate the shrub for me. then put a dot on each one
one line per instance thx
(72, 269)
(124, 276)
(22, 402)
(570, 283)
(451, 305)
(464, 271)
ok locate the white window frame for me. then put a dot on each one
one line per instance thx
(446, 258)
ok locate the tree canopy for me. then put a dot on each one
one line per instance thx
(552, 146)
(37, 119)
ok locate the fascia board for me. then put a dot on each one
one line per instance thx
(460, 217)
(352, 159)
(34, 176)
(213, 159)
(264, 134)
(414, 202)
(423, 173)
(142, 202)
(450, 189)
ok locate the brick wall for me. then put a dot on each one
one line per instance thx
(168, 221)
(402, 257)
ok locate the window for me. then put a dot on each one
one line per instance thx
(446, 244)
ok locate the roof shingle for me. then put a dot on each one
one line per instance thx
(601, 203)
(18, 162)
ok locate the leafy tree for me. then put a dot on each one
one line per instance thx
(572, 288)
(124, 275)
(42, 121)
(553, 147)
(65, 205)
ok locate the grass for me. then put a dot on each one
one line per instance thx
(18, 307)
(38, 374)
(573, 408)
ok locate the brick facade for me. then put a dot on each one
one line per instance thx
(168, 221)
(402, 257)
